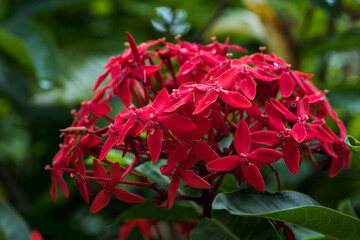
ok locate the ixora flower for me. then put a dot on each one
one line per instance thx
(179, 102)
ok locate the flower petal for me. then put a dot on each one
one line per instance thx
(133, 47)
(101, 200)
(176, 122)
(253, 176)
(235, 99)
(206, 101)
(173, 187)
(286, 112)
(286, 84)
(179, 153)
(271, 138)
(224, 164)
(302, 108)
(291, 155)
(194, 180)
(248, 87)
(226, 79)
(264, 156)
(299, 132)
(274, 117)
(126, 196)
(203, 151)
(115, 174)
(161, 101)
(99, 170)
(100, 79)
(154, 141)
(109, 143)
(100, 109)
(124, 129)
(242, 138)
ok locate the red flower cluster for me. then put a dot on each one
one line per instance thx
(181, 101)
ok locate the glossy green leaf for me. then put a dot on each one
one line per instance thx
(354, 145)
(148, 210)
(15, 49)
(290, 207)
(346, 207)
(225, 226)
(12, 225)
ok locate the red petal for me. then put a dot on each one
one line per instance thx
(100, 79)
(254, 111)
(173, 187)
(124, 129)
(150, 69)
(302, 108)
(126, 196)
(264, 156)
(192, 179)
(224, 164)
(235, 99)
(299, 132)
(203, 151)
(206, 101)
(242, 138)
(123, 92)
(100, 109)
(180, 103)
(266, 137)
(274, 117)
(248, 87)
(189, 65)
(281, 108)
(161, 101)
(101, 200)
(179, 153)
(115, 174)
(176, 122)
(253, 176)
(146, 113)
(133, 47)
(90, 140)
(167, 169)
(99, 170)
(62, 184)
(227, 79)
(109, 143)
(154, 142)
(286, 84)
(339, 162)
(291, 155)
(82, 186)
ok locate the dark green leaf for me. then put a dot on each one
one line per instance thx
(325, 5)
(291, 207)
(14, 48)
(346, 207)
(148, 210)
(40, 46)
(354, 145)
(11, 224)
(346, 40)
(224, 226)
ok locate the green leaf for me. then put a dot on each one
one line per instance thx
(11, 224)
(354, 145)
(148, 210)
(15, 49)
(291, 207)
(346, 207)
(41, 47)
(325, 5)
(346, 40)
(224, 226)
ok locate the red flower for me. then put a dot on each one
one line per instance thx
(102, 199)
(248, 162)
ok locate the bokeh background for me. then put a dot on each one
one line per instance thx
(51, 52)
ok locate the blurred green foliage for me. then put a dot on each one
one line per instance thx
(51, 52)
